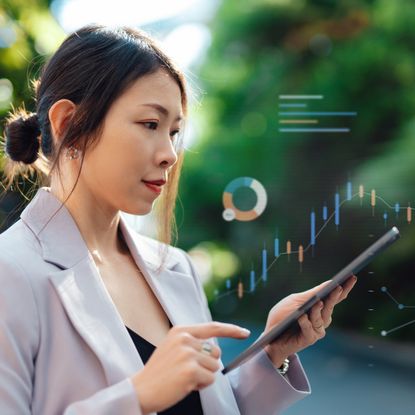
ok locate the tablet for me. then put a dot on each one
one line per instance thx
(340, 278)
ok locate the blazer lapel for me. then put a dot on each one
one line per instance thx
(173, 287)
(93, 314)
(79, 286)
(177, 293)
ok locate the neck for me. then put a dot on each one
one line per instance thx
(97, 222)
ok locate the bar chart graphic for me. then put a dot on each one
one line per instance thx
(295, 115)
(269, 258)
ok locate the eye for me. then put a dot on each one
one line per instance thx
(174, 134)
(151, 125)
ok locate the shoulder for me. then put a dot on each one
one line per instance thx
(18, 250)
(18, 241)
(17, 297)
(21, 264)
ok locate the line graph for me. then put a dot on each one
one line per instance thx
(400, 307)
(300, 252)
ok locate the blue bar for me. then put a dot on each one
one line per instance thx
(325, 212)
(349, 190)
(276, 248)
(228, 284)
(337, 209)
(252, 281)
(314, 130)
(385, 216)
(301, 96)
(292, 105)
(321, 114)
(264, 265)
(313, 228)
(397, 207)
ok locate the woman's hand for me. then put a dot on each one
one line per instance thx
(313, 327)
(179, 364)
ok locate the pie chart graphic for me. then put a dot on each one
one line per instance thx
(231, 212)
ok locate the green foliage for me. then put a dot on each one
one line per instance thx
(37, 35)
(32, 34)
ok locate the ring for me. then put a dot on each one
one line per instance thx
(207, 347)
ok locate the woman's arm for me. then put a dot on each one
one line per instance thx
(19, 344)
(257, 385)
(19, 340)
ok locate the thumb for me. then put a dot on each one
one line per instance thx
(305, 295)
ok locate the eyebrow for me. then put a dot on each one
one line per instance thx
(162, 110)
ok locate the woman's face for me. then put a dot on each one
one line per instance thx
(136, 145)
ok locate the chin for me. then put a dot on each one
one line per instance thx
(143, 209)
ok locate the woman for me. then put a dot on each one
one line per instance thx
(95, 318)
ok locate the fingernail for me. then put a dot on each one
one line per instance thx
(245, 331)
(321, 305)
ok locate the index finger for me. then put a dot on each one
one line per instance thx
(216, 329)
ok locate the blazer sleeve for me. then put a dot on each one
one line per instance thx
(19, 342)
(257, 384)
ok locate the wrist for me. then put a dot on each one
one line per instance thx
(276, 357)
(142, 395)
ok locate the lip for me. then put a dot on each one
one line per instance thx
(158, 182)
(155, 185)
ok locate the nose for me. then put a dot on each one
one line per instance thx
(167, 155)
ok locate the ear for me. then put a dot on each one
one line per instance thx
(60, 113)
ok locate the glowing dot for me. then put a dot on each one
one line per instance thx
(401, 306)
(228, 215)
(383, 333)
(321, 45)
(383, 289)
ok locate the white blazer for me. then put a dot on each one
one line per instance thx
(63, 346)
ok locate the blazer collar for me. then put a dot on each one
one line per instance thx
(61, 241)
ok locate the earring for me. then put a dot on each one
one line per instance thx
(72, 153)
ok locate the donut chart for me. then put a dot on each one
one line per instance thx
(231, 212)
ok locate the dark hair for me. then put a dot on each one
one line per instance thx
(92, 68)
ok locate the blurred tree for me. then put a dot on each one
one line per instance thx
(28, 35)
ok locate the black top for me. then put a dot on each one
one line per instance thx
(190, 404)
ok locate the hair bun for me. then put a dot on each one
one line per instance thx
(22, 132)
